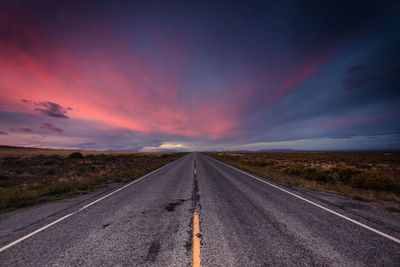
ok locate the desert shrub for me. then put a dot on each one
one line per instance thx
(104, 157)
(19, 170)
(309, 173)
(374, 180)
(14, 197)
(58, 188)
(68, 186)
(123, 174)
(363, 165)
(11, 161)
(85, 184)
(345, 174)
(333, 177)
(52, 160)
(51, 171)
(246, 161)
(75, 155)
(295, 169)
(269, 162)
(315, 174)
(265, 163)
(4, 180)
(280, 166)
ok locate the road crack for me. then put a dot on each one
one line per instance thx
(196, 207)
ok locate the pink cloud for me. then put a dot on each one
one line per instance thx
(301, 72)
(117, 88)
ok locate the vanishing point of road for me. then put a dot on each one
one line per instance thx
(199, 211)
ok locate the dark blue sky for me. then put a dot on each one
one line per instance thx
(199, 75)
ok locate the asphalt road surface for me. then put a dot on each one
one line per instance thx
(243, 222)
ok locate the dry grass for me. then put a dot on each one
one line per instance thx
(366, 176)
(31, 176)
(26, 152)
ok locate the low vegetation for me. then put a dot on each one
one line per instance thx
(31, 177)
(368, 176)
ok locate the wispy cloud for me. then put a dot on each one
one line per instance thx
(357, 76)
(49, 126)
(22, 130)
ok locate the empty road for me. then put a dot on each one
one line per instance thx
(242, 221)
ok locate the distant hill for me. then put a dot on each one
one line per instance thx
(16, 147)
(277, 150)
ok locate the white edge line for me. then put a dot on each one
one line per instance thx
(84, 207)
(317, 205)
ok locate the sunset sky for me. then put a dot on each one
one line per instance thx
(200, 75)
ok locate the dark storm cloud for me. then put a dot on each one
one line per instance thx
(304, 38)
(387, 64)
(365, 102)
(49, 126)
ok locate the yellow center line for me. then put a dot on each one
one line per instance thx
(196, 240)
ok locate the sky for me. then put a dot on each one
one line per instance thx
(200, 75)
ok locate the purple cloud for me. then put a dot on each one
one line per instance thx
(49, 126)
(356, 77)
(50, 109)
(355, 69)
(3, 133)
(54, 110)
(22, 130)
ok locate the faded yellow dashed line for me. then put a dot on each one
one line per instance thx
(196, 240)
(196, 231)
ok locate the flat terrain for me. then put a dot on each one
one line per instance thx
(372, 176)
(31, 176)
(243, 222)
(26, 152)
